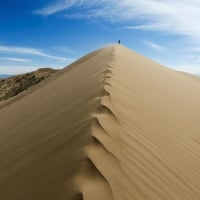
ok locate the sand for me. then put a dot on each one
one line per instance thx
(114, 125)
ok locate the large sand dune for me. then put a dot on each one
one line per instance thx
(112, 126)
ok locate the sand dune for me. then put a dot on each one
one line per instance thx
(114, 125)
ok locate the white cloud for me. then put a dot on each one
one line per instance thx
(173, 16)
(16, 69)
(15, 59)
(61, 5)
(12, 70)
(153, 45)
(55, 7)
(192, 49)
(6, 68)
(63, 49)
(30, 51)
(189, 68)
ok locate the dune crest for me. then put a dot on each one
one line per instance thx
(113, 125)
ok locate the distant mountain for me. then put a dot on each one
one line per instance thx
(13, 85)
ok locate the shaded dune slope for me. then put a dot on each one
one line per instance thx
(114, 125)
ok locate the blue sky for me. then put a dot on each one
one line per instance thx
(53, 33)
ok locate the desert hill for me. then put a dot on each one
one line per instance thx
(114, 125)
(14, 85)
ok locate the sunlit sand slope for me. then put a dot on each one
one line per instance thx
(112, 126)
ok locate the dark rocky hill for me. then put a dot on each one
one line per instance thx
(14, 85)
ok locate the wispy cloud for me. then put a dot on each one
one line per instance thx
(57, 6)
(19, 69)
(153, 45)
(173, 16)
(192, 49)
(189, 68)
(15, 59)
(13, 69)
(63, 49)
(30, 51)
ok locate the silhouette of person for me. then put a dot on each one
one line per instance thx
(118, 41)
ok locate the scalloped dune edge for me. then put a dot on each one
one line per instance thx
(113, 125)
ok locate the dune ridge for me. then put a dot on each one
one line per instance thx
(113, 125)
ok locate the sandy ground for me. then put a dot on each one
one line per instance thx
(113, 125)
